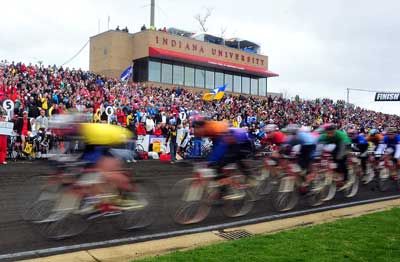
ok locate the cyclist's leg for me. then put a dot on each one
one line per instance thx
(364, 157)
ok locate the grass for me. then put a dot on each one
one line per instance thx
(373, 237)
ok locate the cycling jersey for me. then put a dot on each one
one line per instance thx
(390, 142)
(359, 140)
(340, 139)
(233, 144)
(275, 138)
(376, 139)
(302, 138)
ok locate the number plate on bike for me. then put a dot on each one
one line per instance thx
(193, 193)
(287, 184)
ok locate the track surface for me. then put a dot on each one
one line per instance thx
(17, 235)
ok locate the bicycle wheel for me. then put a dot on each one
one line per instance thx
(263, 183)
(189, 203)
(287, 196)
(329, 188)
(145, 207)
(352, 190)
(68, 225)
(384, 179)
(241, 206)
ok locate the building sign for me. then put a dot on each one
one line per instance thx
(209, 50)
(387, 97)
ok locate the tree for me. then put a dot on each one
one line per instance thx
(202, 19)
(223, 31)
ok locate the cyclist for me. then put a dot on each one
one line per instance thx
(230, 145)
(342, 143)
(360, 145)
(102, 176)
(304, 141)
(374, 138)
(273, 135)
(390, 141)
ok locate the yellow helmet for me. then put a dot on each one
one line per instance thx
(104, 134)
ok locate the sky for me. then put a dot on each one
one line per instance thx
(319, 48)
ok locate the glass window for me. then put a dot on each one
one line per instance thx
(166, 73)
(219, 79)
(189, 76)
(245, 85)
(154, 71)
(210, 80)
(200, 77)
(254, 86)
(237, 84)
(229, 82)
(178, 74)
(262, 87)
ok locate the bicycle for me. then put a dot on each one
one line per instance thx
(293, 182)
(60, 206)
(194, 197)
(387, 171)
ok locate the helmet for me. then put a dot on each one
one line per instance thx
(292, 129)
(373, 132)
(352, 132)
(329, 127)
(305, 129)
(213, 128)
(391, 130)
(198, 120)
(270, 128)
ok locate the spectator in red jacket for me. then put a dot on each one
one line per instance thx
(3, 144)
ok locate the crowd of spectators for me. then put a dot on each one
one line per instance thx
(153, 110)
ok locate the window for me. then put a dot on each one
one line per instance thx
(154, 71)
(229, 82)
(200, 77)
(237, 84)
(254, 86)
(178, 74)
(189, 76)
(245, 85)
(262, 87)
(166, 73)
(210, 80)
(219, 79)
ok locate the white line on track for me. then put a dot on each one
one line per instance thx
(63, 249)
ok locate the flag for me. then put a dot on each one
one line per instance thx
(215, 94)
(127, 73)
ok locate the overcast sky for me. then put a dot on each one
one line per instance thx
(319, 48)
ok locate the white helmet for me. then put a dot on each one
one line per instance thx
(270, 128)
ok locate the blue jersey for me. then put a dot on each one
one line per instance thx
(359, 140)
(221, 146)
(391, 142)
(302, 138)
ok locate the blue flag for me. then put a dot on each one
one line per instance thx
(127, 73)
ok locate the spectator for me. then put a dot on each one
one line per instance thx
(3, 143)
(172, 140)
(41, 122)
(23, 127)
(117, 29)
(143, 27)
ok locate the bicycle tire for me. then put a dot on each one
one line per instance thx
(146, 194)
(185, 210)
(383, 180)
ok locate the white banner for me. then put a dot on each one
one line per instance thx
(6, 128)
